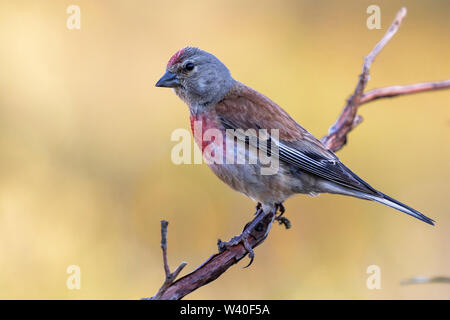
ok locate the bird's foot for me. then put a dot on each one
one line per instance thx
(280, 207)
(259, 210)
(243, 238)
(258, 207)
(282, 220)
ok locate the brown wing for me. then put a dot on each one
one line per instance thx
(245, 108)
(249, 109)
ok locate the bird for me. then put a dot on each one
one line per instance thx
(218, 102)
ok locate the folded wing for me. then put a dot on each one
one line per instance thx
(243, 108)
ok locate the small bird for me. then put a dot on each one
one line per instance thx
(217, 101)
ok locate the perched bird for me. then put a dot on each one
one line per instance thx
(217, 101)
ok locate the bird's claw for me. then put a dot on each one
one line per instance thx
(243, 238)
(224, 245)
(282, 220)
(251, 253)
(253, 228)
(282, 209)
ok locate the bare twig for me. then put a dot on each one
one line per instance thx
(218, 263)
(394, 91)
(170, 277)
(424, 279)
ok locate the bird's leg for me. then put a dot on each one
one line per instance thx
(281, 207)
(282, 220)
(243, 237)
(258, 211)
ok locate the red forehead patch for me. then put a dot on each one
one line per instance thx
(176, 58)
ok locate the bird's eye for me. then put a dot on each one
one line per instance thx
(189, 66)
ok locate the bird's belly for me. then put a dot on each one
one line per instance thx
(241, 169)
(276, 188)
(247, 179)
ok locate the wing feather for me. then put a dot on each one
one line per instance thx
(243, 108)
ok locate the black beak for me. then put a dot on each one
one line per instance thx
(168, 80)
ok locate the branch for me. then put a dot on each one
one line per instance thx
(394, 91)
(337, 134)
(170, 277)
(425, 279)
(349, 119)
(215, 265)
(218, 263)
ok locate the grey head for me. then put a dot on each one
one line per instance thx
(197, 77)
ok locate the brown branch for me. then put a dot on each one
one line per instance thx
(337, 134)
(394, 91)
(215, 265)
(218, 263)
(349, 119)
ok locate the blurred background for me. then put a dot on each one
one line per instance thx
(85, 168)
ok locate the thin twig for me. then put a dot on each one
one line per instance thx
(425, 279)
(170, 277)
(164, 225)
(394, 91)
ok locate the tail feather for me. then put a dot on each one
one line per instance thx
(331, 187)
(384, 199)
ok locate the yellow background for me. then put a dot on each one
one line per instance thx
(85, 169)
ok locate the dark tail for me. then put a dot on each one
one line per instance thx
(384, 199)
